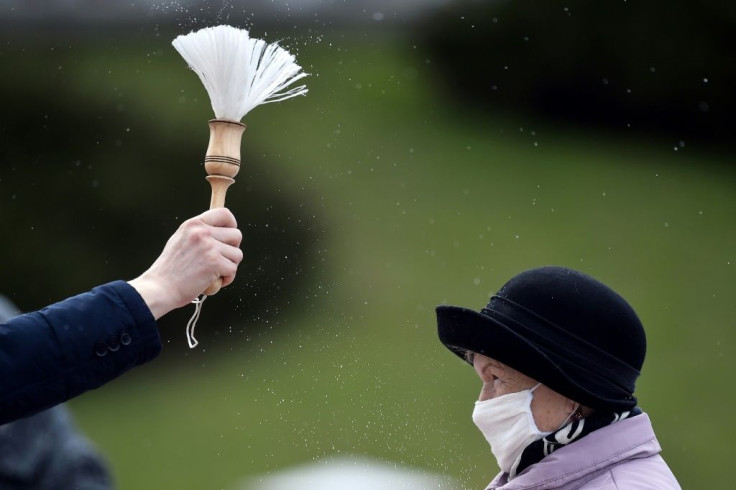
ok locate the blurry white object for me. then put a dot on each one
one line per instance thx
(349, 472)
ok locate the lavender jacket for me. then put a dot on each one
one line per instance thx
(624, 455)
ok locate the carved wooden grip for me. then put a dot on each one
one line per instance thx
(222, 163)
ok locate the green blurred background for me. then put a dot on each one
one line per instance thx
(442, 148)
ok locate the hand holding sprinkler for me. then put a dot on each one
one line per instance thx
(239, 73)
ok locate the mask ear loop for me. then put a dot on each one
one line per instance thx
(198, 302)
(575, 415)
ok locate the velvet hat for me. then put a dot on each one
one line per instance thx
(560, 327)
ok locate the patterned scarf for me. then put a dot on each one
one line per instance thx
(573, 431)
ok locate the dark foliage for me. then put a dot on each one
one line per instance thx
(642, 66)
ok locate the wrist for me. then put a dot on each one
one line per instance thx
(154, 295)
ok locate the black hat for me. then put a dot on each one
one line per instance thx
(560, 327)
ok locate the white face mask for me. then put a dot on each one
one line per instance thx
(508, 425)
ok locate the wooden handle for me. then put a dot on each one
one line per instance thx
(222, 163)
(219, 186)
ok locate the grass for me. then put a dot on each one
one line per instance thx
(423, 204)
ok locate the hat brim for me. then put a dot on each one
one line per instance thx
(462, 329)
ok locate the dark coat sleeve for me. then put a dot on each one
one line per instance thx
(52, 355)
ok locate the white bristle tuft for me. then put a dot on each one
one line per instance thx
(239, 72)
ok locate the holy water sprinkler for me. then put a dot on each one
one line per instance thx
(239, 73)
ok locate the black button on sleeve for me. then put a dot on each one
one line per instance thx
(101, 349)
(125, 338)
(113, 344)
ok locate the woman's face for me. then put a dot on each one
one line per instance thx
(550, 409)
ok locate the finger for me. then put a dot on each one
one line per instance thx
(228, 270)
(227, 279)
(232, 254)
(230, 236)
(219, 217)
